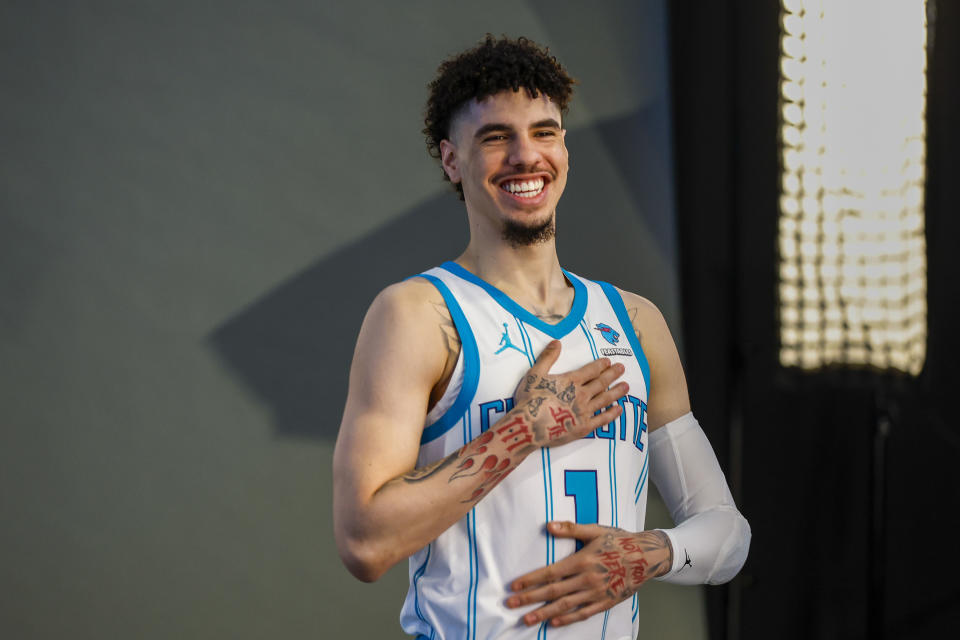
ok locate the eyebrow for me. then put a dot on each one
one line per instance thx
(548, 123)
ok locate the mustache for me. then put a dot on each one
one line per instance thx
(519, 171)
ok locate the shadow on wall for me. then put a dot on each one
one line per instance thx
(293, 347)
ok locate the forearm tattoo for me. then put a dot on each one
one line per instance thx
(475, 460)
(622, 558)
(424, 473)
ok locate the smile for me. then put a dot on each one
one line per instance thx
(524, 188)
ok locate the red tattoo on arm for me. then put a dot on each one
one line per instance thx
(474, 459)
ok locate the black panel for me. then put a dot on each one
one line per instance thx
(799, 448)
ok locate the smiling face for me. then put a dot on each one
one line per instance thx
(507, 151)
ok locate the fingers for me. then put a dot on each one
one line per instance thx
(581, 614)
(607, 398)
(546, 359)
(590, 370)
(548, 592)
(603, 380)
(547, 574)
(562, 568)
(562, 598)
(609, 414)
(585, 532)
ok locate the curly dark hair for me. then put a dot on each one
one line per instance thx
(490, 67)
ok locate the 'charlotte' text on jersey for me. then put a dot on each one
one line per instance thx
(634, 413)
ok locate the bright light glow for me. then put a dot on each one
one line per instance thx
(852, 248)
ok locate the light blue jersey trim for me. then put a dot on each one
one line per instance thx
(613, 480)
(527, 345)
(416, 594)
(616, 301)
(471, 365)
(544, 467)
(474, 560)
(474, 574)
(558, 330)
(642, 480)
(613, 491)
(590, 342)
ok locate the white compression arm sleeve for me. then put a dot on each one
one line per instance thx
(711, 539)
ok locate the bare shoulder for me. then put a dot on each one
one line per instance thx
(408, 337)
(408, 297)
(669, 398)
(398, 358)
(416, 305)
(646, 318)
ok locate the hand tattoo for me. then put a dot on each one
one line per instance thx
(534, 407)
(622, 558)
(564, 418)
(564, 421)
(612, 563)
(548, 384)
(528, 382)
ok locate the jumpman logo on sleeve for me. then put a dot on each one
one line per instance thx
(507, 343)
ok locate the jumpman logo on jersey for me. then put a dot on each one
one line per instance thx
(507, 343)
(687, 563)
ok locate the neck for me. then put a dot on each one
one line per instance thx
(530, 273)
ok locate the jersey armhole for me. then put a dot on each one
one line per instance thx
(616, 301)
(471, 364)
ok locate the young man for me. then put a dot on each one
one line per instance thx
(502, 412)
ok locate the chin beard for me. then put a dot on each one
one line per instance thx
(521, 235)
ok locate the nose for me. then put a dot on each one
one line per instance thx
(523, 152)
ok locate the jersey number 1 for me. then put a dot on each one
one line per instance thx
(582, 487)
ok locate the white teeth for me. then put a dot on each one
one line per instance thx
(524, 189)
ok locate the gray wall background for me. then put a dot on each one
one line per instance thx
(198, 200)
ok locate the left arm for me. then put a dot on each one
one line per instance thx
(711, 538)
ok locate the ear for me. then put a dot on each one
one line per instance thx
(448, 160)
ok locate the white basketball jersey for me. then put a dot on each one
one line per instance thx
(460, 581)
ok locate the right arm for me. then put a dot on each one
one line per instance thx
(384, 508)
